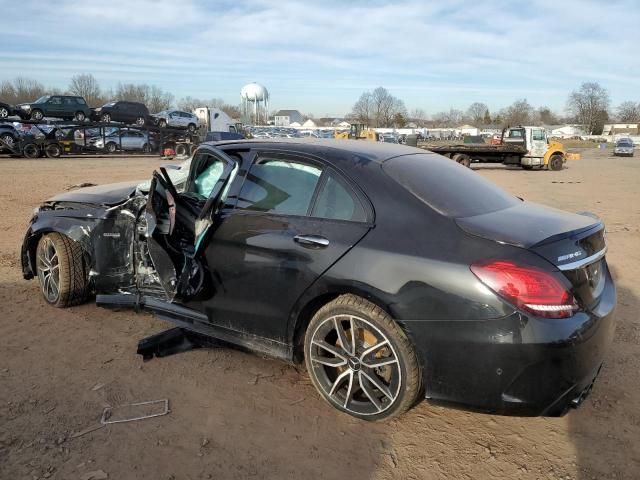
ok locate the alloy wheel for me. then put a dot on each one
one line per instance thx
(8, 141)
(355, 365)
(4, 113)
(49, 271)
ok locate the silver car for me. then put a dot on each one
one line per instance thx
(177, 118)
(623, 148)
(129, 139)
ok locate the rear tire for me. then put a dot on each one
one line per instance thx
(349, 371)
(162, 123)
(4, 112)
(111, 147)
(191, 128)
(145, 148)
(462, 159)
(53, 150)
(106, 118)
(61, 270)
(181, 150)
(79, 117)
(31, 150)
(556, 162)
(140, 121)
(8, 141)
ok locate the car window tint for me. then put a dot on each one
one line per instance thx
(279, 186)
(337, 201)
(446, 186)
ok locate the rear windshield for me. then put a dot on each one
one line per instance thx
(446, 186)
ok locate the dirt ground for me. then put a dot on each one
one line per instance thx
(237, 415)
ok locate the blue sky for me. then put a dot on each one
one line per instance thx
(319, 56)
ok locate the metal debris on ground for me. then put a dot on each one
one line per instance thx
(135, 411)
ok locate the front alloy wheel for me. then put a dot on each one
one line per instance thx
(4, 112)
(360, 360)
(48, 265)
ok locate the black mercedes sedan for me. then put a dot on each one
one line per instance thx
(395, 274)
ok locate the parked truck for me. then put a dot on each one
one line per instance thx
(528, 147)
(214, 120)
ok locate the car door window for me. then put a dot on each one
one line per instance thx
(207, 172)
(279, 185)
(55, 101)
(337, 201)
(537, 134)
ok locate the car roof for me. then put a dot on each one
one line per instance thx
(375, 151)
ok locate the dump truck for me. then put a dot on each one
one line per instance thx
(527, 147)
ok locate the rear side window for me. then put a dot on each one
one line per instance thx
(281, 186)
(337, 201)
(446, 186)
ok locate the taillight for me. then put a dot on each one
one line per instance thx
(529, 288)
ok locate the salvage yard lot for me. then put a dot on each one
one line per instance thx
(237, 415)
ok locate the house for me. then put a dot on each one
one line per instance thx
(621, 128)
(284, 118)
(309, 124)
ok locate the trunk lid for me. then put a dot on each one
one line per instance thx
(573, 243)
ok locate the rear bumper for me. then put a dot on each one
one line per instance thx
(516, 365)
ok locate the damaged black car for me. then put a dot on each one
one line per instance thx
(395, 274)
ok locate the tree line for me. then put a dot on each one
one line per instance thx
(589, 105)
(22, 89)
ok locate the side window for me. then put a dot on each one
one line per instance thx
(207, 171)
(279, 185)
(537, 134)
(81, 101)
(55, 101)
(337, 201)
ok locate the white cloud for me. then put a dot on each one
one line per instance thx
(433, 53)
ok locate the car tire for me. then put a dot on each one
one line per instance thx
(79, 117)
(36, 114)
(162, 123)
(61, 270)
(146, 148)
(53, 150)
(181, 150)
(140, 121)
(111, 147)
(105, 118)
(4, 112)
(7, 141)
(191, 127)
(359, 379)
(31, 150)
(556, 162)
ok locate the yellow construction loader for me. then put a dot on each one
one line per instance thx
(358, 131)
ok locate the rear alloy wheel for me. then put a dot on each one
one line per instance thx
(140, 121)
(53, 150)
(360, 360)
(106, 118)
(555, 162)
(79, 116)
(4, 112)
(61, 270)
(162, 123)
(37, 114)
(111, 147)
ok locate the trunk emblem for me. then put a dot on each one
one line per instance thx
(569, 256)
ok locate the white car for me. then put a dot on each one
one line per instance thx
(177, 118)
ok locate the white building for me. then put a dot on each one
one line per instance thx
(621, 128)
(567, 131)
(468, 130)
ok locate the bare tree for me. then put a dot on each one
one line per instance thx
(85, 85)
(157, 100)
(21, 89)
(589, 106)
(476, 113)
(418, 116)
(547, 117)
(629, 112)
(153, 97)
(378, 108)
(519, 112)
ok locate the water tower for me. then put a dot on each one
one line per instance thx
(254, 102)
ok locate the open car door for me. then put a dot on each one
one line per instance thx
(179, 222)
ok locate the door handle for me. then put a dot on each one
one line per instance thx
(311, 241)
